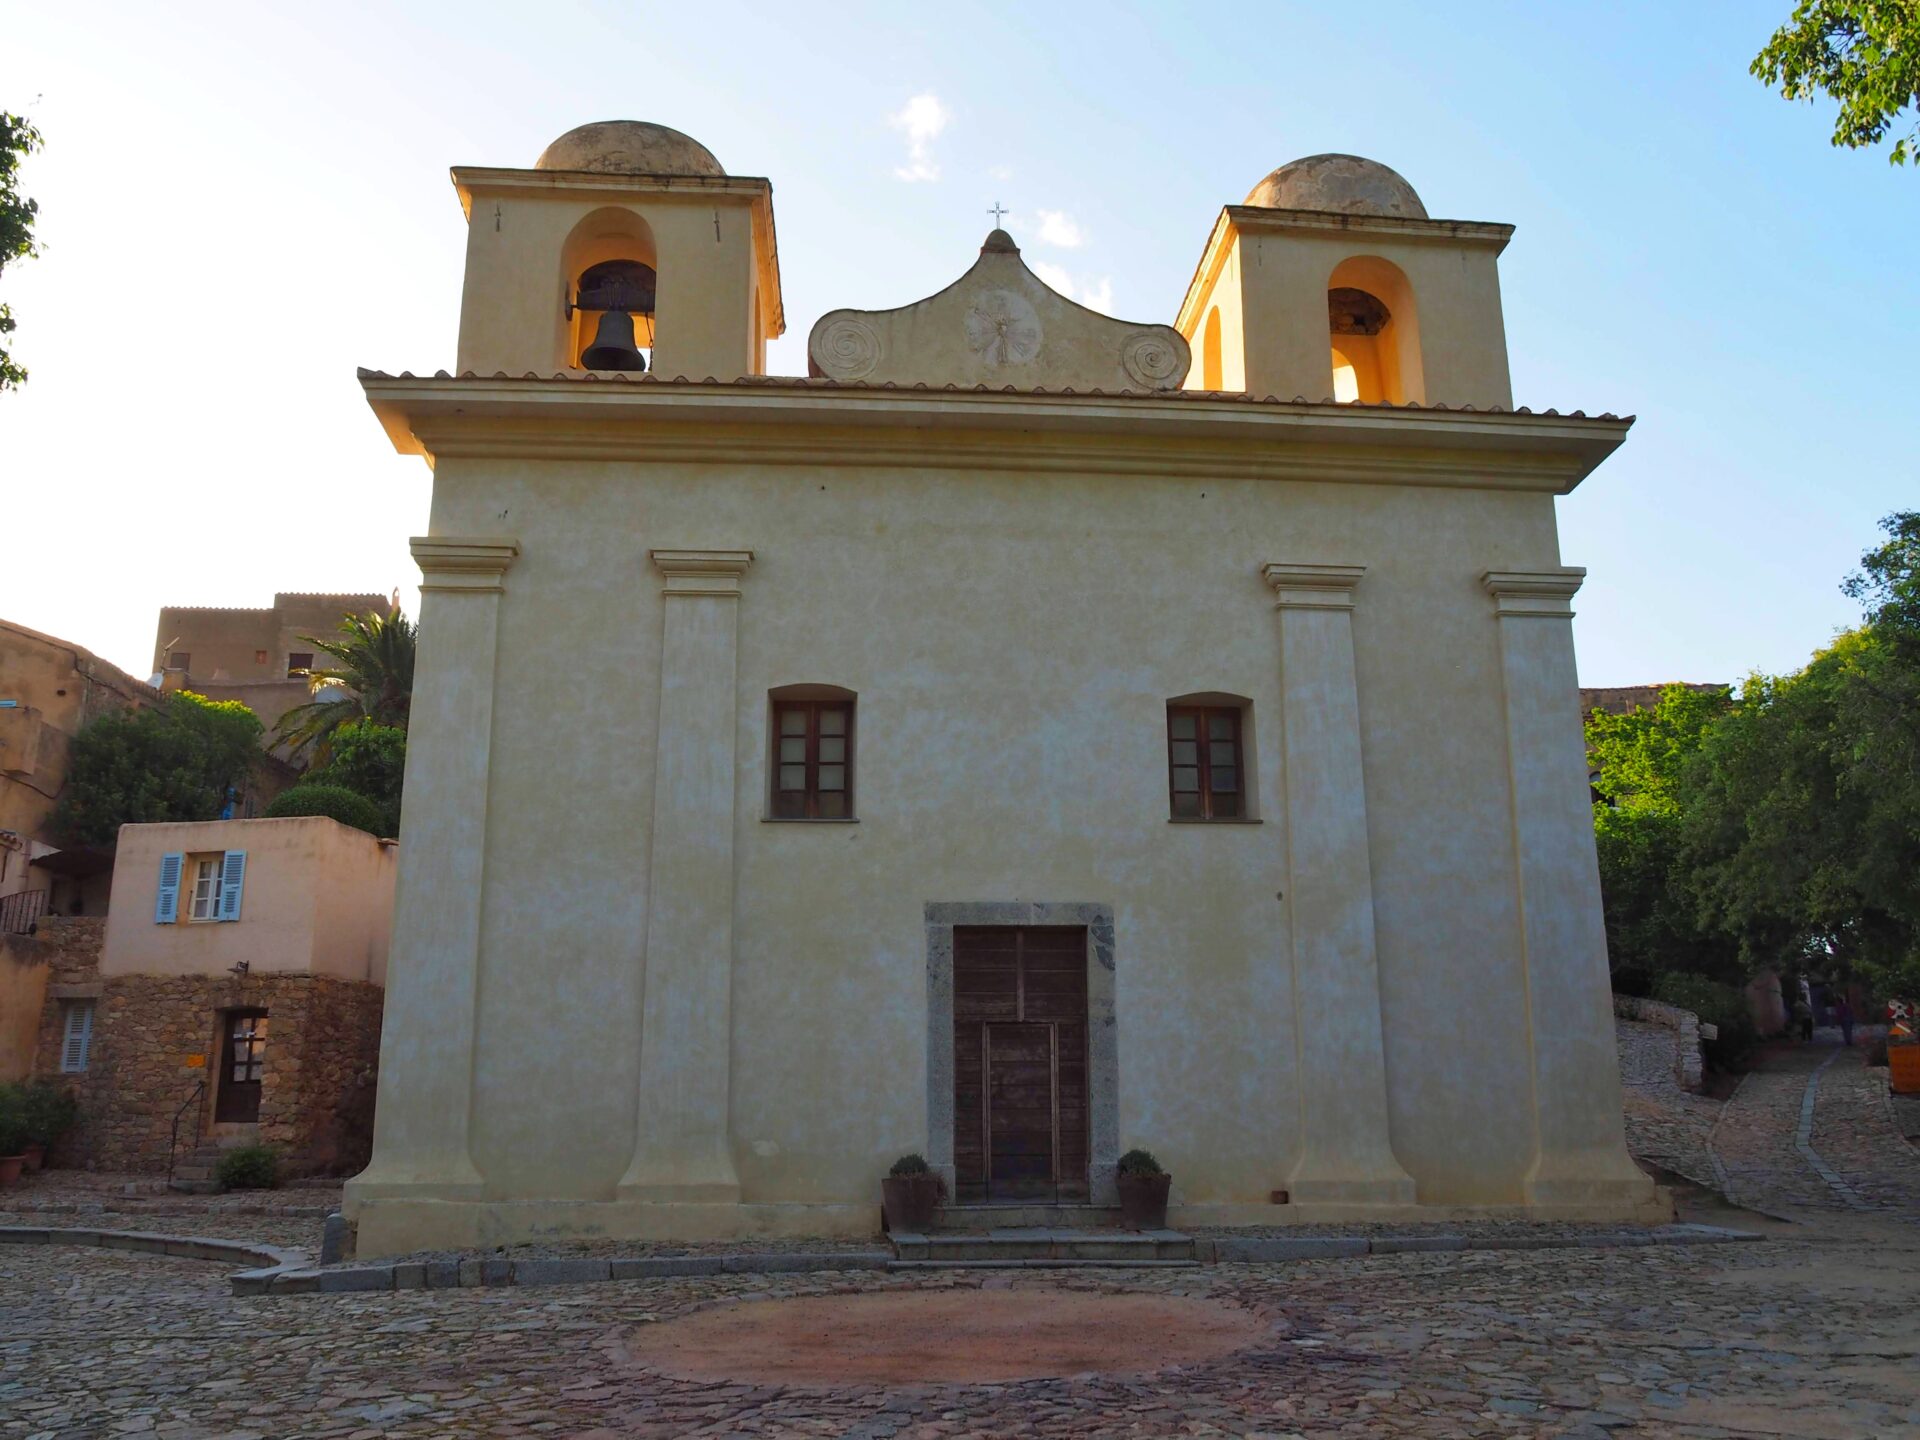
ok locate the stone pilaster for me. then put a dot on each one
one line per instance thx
(1346, 1148)
(424, 1114)
(1580, 1153)
(682, 1148)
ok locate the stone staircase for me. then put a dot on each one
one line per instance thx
(193, 1173)
(1038, 1236)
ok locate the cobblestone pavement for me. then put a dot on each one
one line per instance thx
(1665, 1124)
(1811, 1332)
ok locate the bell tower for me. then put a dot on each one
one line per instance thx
(626, 248)
(1331, 283)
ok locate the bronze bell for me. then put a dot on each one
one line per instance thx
(613, 347)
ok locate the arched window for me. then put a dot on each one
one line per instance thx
(812, 733)
(609, 272)
(1210, 366)
(1210, 757)
(1374, 334)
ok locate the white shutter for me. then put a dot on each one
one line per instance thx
(233, 879)
(166, 906)
(78, 1039)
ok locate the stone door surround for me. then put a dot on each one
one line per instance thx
(1103, 1056)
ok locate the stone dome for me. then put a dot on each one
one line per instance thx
(628, 147)
(1349, 184)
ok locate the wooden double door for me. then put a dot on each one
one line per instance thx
(1020, 1115)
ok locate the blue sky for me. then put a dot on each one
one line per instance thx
(241, 203)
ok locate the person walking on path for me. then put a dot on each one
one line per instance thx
(1843, 1012)
(1803, 1017)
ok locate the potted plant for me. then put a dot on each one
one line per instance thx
(910, 1195)
(50, 1111)
(13, 1134)
(1143, 1191)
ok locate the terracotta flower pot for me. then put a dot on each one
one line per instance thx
(36, 1158)
(10, 1169)
(910, 1202)
(1143, 1201)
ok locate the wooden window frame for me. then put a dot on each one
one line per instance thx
(190, 884)
(1203, 743)
(809, 802)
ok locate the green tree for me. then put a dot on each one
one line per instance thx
(180, 760)
(336, 802)
(370, 759)
(1649, 906)
(1802, 811)
(1863, 53)
(373, 666)
(18, 139)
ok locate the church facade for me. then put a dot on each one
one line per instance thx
(1030, 736)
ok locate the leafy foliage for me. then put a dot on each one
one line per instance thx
(915, 1164)
(1650, 909)
(14, 1138)
(50, 1110)
(1864, 54)
(373, 658)
(18, 139)
(370, 759)
(249, 1167)
(1139, 1162)
(336, 802)
(179, 760)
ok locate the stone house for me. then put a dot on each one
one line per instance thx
(259, 657)
(236, 984)
(49, 690)
(1029, 736)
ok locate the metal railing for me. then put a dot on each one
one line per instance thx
(18, 912)
(173, 1139)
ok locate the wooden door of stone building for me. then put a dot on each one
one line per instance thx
(1020, 1063)
(243, 1061)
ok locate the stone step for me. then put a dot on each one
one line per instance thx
(1051, 1217)
(1045, 1245)
(194, 1187)
(1043, 1264)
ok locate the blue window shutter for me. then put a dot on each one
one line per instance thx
(166, 906)
(233, 879)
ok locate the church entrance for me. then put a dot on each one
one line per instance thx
(1020, 1113)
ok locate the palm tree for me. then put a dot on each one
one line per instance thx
(375, 669)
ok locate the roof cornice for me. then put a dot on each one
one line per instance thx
(1187, 433)
(1479, 234)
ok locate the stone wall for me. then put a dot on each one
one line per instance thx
(1689, 1066)
(316, 1098)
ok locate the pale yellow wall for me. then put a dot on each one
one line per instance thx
(318, 900)
(23, 990)
(1002, 756)
(511, 313)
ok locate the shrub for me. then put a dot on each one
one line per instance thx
(336, 802)
(50, 1110)
(1722, 1006)
(910, 1165)
(1139, 1162)
(13, 1120)
(249, 1167)
(1877, 1053)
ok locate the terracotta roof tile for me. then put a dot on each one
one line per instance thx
(810, 382)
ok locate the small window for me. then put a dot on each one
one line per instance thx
(259, 657)
(76, 1035)
(1203, 762)
(180, 660)
(204, 870)
(299, 663)
(813, 760)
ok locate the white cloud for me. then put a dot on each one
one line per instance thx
(1059, 229)
(1000, 172)
(1055, 276)
(921, 120)
(1094, 294)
